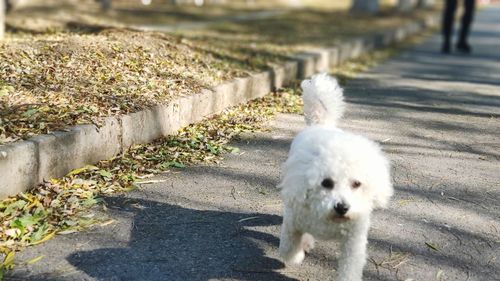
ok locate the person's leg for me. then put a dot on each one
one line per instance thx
(462, 44)
(448, 17)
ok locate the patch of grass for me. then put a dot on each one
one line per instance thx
(50, 82)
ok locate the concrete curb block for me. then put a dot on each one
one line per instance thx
(207, 102)
(18, 167)
(261, 85)
(24, 164)
(284, 74)
(61, 152)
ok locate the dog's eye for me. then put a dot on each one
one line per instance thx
(327, 183)
(356, 184)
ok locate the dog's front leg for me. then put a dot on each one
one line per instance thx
(353, 255)
(290, 249)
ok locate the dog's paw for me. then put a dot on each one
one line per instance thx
(291, 257)
(307, 242)
(295, 259)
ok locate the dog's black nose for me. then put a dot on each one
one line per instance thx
(341, 208)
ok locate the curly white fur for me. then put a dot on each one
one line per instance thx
(323, 100)
(320, 154)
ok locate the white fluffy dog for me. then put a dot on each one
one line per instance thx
(332, 181)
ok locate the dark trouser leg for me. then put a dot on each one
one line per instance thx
(448, 17)
(466, 20)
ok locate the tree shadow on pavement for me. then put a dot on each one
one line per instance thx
(437, 118)
(458, 252)
(169, 242)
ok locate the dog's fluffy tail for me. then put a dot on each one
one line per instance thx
(323, 100)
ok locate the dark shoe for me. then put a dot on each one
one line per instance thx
(446, 49)
(464, 48)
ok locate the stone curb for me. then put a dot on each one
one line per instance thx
(24, 164)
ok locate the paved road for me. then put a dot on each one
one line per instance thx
(438, 118)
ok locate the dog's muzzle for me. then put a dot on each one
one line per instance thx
(341, 209)
(338, 213)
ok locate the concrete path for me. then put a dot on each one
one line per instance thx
(438, 118)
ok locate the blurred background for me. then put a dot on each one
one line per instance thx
(40, 15)
(69, 62)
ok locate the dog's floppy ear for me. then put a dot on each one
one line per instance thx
(383, 195)
(380, 180)
(384, 189)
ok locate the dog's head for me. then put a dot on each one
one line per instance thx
(338, 176)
